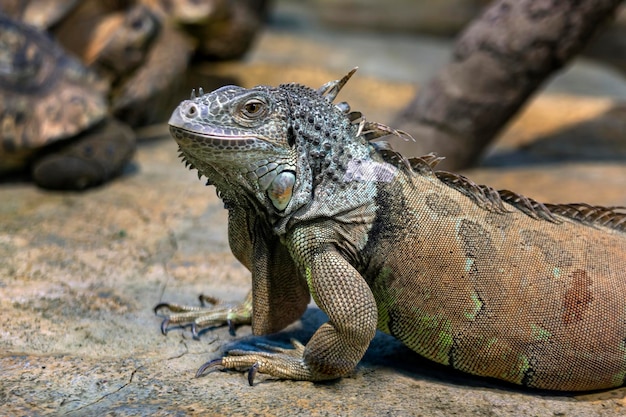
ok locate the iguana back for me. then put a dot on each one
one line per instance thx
(512, 291)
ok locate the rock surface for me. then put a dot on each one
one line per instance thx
(80, 273)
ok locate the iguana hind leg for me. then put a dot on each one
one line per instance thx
(199, 317)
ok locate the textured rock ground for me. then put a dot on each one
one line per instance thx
(80, 273)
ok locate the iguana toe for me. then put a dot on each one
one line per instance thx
(198, 318)
(211, 365)
(284, 363)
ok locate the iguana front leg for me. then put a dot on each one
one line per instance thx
(338, 345)
(216, 314)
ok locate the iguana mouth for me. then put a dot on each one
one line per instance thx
(185, 137)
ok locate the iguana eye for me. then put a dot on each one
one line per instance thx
(254, 108)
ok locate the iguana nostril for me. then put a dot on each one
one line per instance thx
(192, 111)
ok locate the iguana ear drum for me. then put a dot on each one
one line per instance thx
(281, 189)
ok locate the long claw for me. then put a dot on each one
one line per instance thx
(204, 299)
(254, 369)
(231, 328)
(210, 366)
(164, 325)
(173, 308)
(160, 306)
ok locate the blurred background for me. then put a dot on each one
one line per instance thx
(72, 125)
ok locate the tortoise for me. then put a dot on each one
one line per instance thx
(134, 54)
(57, 116)
(143, 47)
(48, 97)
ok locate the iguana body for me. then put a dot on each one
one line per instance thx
(487, 282)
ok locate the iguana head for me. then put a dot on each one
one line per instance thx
(239, 139)
(280, 146)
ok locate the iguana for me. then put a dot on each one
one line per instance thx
(488, 282)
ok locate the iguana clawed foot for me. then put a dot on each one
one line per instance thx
(276, 361)
(216, 314)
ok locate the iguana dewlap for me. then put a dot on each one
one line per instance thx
(488, 282)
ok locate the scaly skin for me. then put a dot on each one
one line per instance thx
(488, 282)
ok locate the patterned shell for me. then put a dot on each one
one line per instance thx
(45, 95)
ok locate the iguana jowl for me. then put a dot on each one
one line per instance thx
(488, 282)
